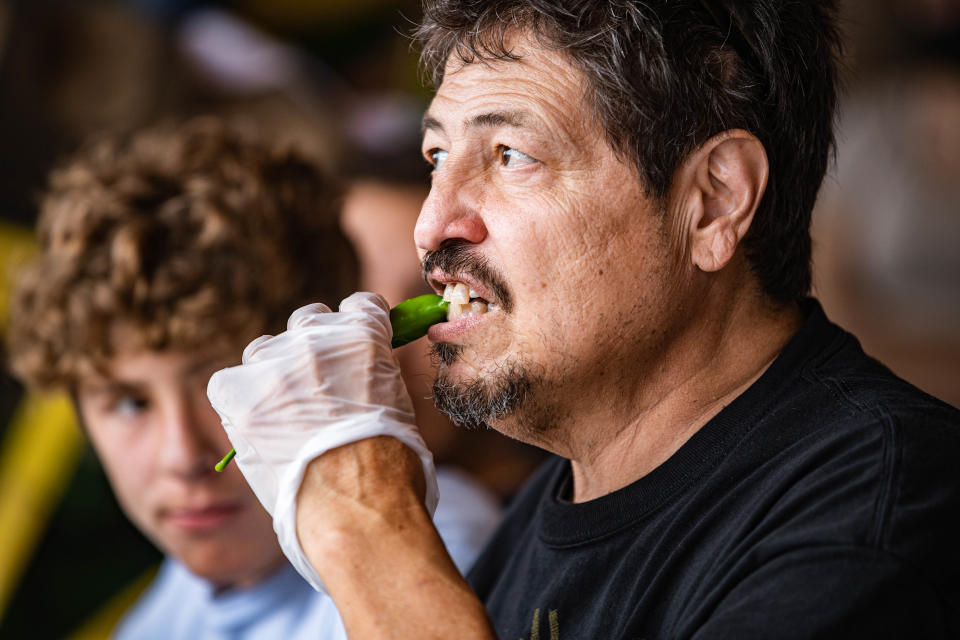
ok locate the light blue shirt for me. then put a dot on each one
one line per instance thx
(179, 605)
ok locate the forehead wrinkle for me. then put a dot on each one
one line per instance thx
(546, 87)
(543, 117)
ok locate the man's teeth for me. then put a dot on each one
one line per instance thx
(463, 302)
(457, 293)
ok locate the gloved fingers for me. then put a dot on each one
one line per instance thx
(251, 350)
(307, 315)
(221, 393)
(371, 304)
(364, 301)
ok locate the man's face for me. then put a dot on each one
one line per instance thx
(532, 210)
(158, 439)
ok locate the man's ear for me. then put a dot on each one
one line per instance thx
(725, 180)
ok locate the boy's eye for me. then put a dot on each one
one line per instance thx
(129, 406)
(510, 157)
(437, 157)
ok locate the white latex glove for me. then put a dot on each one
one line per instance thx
(328, 380)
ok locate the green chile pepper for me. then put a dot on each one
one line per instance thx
(410, 320)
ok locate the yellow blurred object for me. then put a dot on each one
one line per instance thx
(16, 247)
(38, 457)
(40, 450)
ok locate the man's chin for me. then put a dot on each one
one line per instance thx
(480, 401)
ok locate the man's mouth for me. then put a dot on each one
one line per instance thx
(468, 281)
(465, 302)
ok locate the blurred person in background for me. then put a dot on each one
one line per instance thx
(160, 254)
(69, 70)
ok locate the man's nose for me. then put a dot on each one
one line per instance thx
(452, 211)
(185, 448)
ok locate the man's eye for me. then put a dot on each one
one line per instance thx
(437, 157)
(129, 406)
(510, 157)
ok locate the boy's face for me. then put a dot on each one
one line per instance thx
(158, 439)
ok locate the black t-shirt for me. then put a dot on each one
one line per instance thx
(823, 502)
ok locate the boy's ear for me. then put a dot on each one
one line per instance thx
(724, 181)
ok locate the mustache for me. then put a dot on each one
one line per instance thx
(457, 256)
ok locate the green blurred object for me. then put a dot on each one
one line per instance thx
(410, 321)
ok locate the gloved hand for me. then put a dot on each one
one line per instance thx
(328, 380)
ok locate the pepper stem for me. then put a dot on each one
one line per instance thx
(226, 460)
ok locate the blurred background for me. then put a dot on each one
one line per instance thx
(340, 80)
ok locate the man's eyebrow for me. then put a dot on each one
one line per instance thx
(429, 123)
(489, 119)
(497, 119)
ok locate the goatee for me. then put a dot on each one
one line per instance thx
(480, 402)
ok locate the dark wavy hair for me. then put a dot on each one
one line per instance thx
(663, 76)
(183, 236)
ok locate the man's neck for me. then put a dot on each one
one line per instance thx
(712, 364)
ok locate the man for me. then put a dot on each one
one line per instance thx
(161, 254)
(624, 189)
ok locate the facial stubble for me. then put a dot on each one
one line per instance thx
(490, 400)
